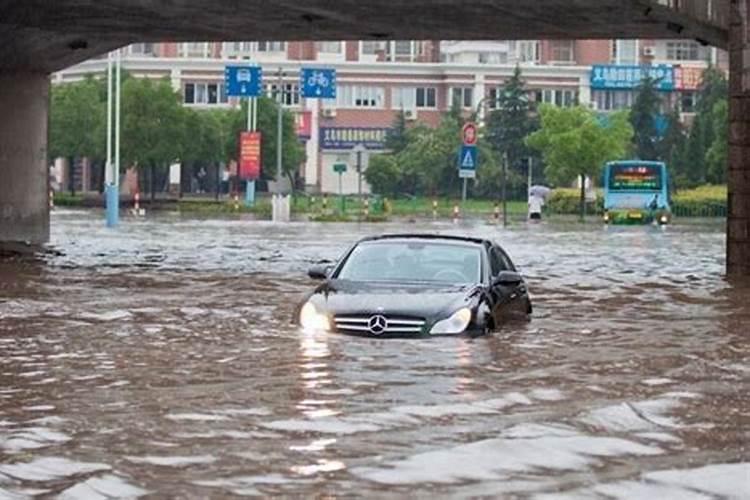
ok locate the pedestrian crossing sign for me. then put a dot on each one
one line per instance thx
(467, 164)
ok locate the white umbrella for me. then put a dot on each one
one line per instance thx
(540, 191)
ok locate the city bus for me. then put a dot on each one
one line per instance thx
(636, 192)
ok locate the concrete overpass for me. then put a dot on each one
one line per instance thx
(39, 37)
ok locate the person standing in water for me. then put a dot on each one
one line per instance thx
(535, 207)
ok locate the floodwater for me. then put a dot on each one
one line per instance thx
(160, 360)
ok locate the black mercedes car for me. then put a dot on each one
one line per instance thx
(411, 285)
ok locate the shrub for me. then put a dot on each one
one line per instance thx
(568, 202)
(703, 201)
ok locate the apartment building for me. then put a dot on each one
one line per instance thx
(378, 79)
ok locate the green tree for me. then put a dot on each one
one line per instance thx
(643, 116)
(293, 154)
(717, 154)
(671, 147)
(153, 129)
(77, 125)
(507, 127)
(693, 169)
(384, 175)
(205, 133)
(397, 139)
(577, 143)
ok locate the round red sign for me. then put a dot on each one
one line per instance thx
(469, 134)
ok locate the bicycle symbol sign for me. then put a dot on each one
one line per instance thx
(317, 83)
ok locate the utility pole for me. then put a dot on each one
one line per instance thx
(279, 132)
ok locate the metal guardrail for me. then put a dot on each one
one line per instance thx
(715, 12)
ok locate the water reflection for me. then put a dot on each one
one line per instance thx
(145, 362)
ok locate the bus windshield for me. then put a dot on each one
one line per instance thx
(635, 178)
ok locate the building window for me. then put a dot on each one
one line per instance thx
(412, 98)
(426, 97)
(329, 47)
(194, 49)
(238, 47)
(142, 49)
(401, 50)
(373, 47)
(528, 51)
(688, 101)
(562, 51)
(493, 57)
(683, 51)
(611, 100)
(291, 93)
(355, 96)
(271, 46)
(494, 96)
(558, 97)
(462, 97)
(204, 93)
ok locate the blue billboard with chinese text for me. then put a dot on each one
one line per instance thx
(618, 77)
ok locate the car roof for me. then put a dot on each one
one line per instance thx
(431, 237)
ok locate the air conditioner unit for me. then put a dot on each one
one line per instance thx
(410, 114)
(329, 113)
(649, 51)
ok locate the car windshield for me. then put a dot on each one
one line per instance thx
(413, 261)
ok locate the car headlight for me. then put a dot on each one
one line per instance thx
(311, 319)
(457, 323)
(664, 219)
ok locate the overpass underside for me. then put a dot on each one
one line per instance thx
(39, 37)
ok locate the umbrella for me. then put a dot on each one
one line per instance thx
(540, 191)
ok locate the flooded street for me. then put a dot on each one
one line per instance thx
(161, 360)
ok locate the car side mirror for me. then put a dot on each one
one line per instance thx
(507, 278)
(318, 272)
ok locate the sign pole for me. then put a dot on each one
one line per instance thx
(359, 174)
(341, 192)
(505, 202)
(250, 184)
(463, 194)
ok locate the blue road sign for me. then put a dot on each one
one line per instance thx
(468, 161)
(318, 83)
(243, 81)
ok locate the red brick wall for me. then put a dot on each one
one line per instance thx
(352, 50)
(590, 52)
(168, 49)
(304, 51)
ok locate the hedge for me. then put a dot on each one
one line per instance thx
(568, 202)
(704, 201)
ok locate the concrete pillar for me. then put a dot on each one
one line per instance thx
(24, 190)
(738, 222)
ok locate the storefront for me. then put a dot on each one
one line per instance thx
(337, 147)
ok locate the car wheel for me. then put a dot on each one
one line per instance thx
(529, 307)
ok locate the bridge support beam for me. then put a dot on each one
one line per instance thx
(24, 176)
(738, 222)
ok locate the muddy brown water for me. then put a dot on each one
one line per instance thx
(160, 360)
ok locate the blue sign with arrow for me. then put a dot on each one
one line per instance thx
(468, 161)
(318, 83)
(243, 81)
